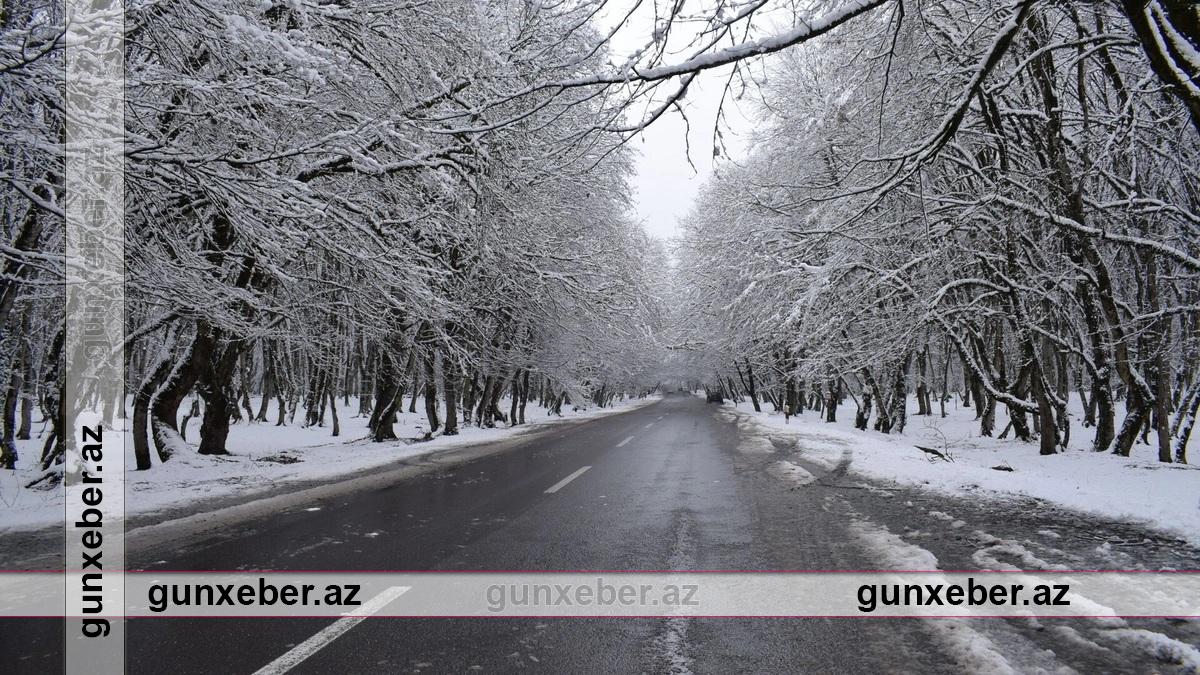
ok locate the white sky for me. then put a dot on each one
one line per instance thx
(666, 183)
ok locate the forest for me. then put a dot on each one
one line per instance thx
(427, 203)
(995, 206)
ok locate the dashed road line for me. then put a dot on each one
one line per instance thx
(562, 483)
(622, 443)
(333, 631)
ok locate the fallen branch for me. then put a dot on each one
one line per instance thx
(935, 454)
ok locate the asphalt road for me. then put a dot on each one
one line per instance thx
(672, 485)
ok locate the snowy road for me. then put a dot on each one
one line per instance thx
(674, 485)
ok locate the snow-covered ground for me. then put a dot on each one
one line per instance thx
(262, 457)
(1137, 488)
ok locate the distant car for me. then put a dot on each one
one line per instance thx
(714, 396)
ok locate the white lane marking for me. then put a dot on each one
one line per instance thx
(333, 631)
(661, 416)
(622, 443)
(649, 425)
(563, 483)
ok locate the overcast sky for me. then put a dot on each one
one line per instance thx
(666, 183)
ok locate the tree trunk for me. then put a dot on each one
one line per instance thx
(524, 397)
(27, 399)
(863, 417)
(366, 380)
(923, 403)
(1185, 428)
(268, 387)
(450, 378)
(431, 406)
(164, 423)
(483, 414)
(8, 443)
(751, 386)
(468, 400)
(55, 447)
(245, 393)
(282, 421)
(789, 408)
(494, 405)
(389, 392)
(899, 414)
(216, 388)
(831, 405)
(337, 429)
(1170, 60)
(1047, 428)
(515, 392)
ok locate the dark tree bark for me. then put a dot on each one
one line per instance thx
(431, 406)
(790, 398)
(1191, 405)
(524, 397)
(415, 381)
(28, 396)
(751, 388)
(924, 400)
(337, 428)
(945, 380)
(389, 393)
(494, 404)
(450, 379)
(216, 388)
(899, 413)
(515, 393)
(366, 381)
(268, 386)
(55, 446)
(1047, 428)
(245, 390)
(835, 393)
(282, 421)
(313, 399)
(1161, 27)
(26, 239)
(470, 384)
(483, 413)
(863, 418)
(8, 443)
(164, 410)
(1156, 339)
(969, 384)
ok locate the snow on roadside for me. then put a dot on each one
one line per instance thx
(1160, 647)
(791, 472)
(967, 646)
(262, 456)
(1137, 488)
(991, 646)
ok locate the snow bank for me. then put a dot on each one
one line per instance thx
(262, 456)
(971, 650)
(1137, 488)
